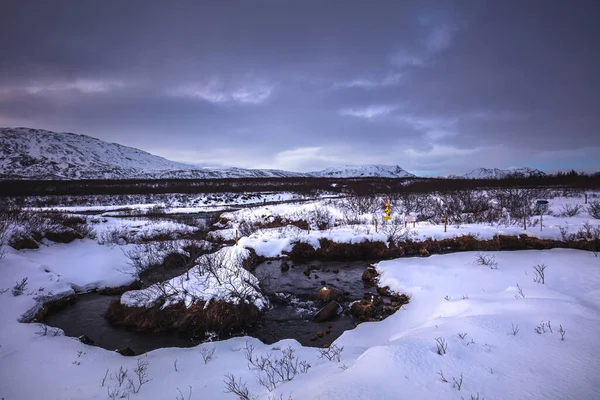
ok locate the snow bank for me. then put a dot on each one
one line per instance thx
(218, 276)
(84, 264)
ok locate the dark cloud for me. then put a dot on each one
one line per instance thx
(431, 86)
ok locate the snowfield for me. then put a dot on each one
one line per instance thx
(470, 331)
(380, 359)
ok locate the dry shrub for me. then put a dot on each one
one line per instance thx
(218, 316)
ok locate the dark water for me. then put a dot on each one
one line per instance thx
(86, 317)
(294, 303)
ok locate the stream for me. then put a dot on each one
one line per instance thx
(294, 303)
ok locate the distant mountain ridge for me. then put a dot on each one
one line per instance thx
(495, 173)
(27, 153)
(374, 170)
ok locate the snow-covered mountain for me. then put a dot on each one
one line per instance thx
(39, 154)
(495, 173)
(352, 171)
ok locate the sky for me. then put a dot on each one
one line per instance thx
(436, 87)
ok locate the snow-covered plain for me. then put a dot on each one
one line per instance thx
(391, 359)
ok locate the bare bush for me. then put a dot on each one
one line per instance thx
(462, 335)
(332, 353)
(539, 273)
(562, 333)
(442, 377)
(519, 294)
(237, 387)
(514, 329)
(594, 209)
(247, 228)
(19, 287)
(229, 272)
(362, 204)
(322, 217)
(488, 260)
(441, 345)
(8, 214)
(274, 370)
(283, 369)
(457, 383)
(518, 202)
(207, 354)
(116, 236)
(544, 327)
(570, 210)
(141, 375)
(180, 396)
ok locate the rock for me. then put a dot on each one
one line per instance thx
(390, 309)
(269, 262)
(316, 276)
(400, 299)
(370, 274)
(336, 270)
(313, 338)
(328, 330)
(384, 291)
(328, 312)
(306, 272)
(363, 310)
(328, 294)
(23, 243)
(373, 298)
(326, 270)
(323, 283)
(86, 340)
(125, 351)
(285, 267)
(320, 334)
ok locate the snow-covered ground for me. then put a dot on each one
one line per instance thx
(379, 360)
(486, 316)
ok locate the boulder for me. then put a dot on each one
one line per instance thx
(363, 310)
(328, 312)
(285, 267)
(328, 294)
(126, 351)
(370, 274)
(384, 291)
(86, 340)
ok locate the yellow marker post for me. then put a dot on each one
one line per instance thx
(236, 237)
(386, 210)
(445, 222)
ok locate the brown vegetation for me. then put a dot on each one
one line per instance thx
(370, 250)
(219, 316)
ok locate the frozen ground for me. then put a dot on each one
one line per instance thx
(494, 310)
(380, 359)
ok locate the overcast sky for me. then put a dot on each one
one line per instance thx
(437, 87)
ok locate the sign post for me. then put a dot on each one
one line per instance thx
(386, 210)
(410, 218)
(543, 204)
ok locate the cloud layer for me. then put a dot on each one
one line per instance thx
(435, 87)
